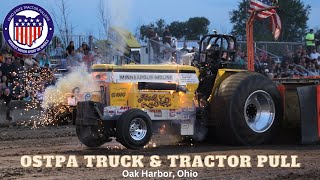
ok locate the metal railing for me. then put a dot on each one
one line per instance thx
(273, 56)
(275, 48)
(309, 73)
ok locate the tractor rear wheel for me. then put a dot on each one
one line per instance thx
(91, 136)
(247, 108)
(134, 129)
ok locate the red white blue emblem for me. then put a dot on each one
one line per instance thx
(28, 29)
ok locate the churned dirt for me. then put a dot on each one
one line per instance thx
(22, 140)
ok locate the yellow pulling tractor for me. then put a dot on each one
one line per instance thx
(240, 106)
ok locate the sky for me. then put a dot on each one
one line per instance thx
(131, 14)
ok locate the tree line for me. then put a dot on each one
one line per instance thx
(294, 15)
(192, 29)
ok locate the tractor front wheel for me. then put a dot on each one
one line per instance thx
(134, 129)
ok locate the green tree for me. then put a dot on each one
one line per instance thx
(294, 16)
(143, 32)
(160, 26)
(178, 29)
(238, 18)
(196, 27)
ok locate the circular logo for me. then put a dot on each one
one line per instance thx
(28, 29)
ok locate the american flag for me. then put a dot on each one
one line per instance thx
(27, 30)
(272, 13)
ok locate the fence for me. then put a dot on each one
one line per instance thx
(276, 48)
(272, 48)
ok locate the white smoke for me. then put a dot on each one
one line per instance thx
(120, 16)
(58, 94)
(119, 11)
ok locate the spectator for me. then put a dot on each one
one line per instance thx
(312, 68)
(288, 59)
(6, 51)
(85, 47)
(305, 53)
(8, 69)
(72, 59)
(297, 58)
(277, 71)
(263, 54)
(29, 62)
(4, 82)
(17, 55)
(314, 56)
(167, 53)
(299, 49)
(58, 51)
(44, 60)
(194, 49)
(80, 54)
(7, 98)
(18, 63)
(185, 49)
(166, 38)
(154, 42)
(310, 41)
(70, 48)
(239, 59)
(88, 59)
(17, 90)
(285, 73)
(38, 56)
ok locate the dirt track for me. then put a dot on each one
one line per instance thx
(18, 141)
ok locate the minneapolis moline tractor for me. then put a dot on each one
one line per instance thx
(241, 107)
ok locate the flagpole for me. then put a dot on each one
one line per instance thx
(249, 36)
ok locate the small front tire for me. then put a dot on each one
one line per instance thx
(134, 129)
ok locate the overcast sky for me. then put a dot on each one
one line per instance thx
(133, 13)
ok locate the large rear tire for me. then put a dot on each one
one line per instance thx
(247, 108)
(91, 136)
(134, 129)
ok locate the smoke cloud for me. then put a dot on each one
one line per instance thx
(119, 11)
(58, 94)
